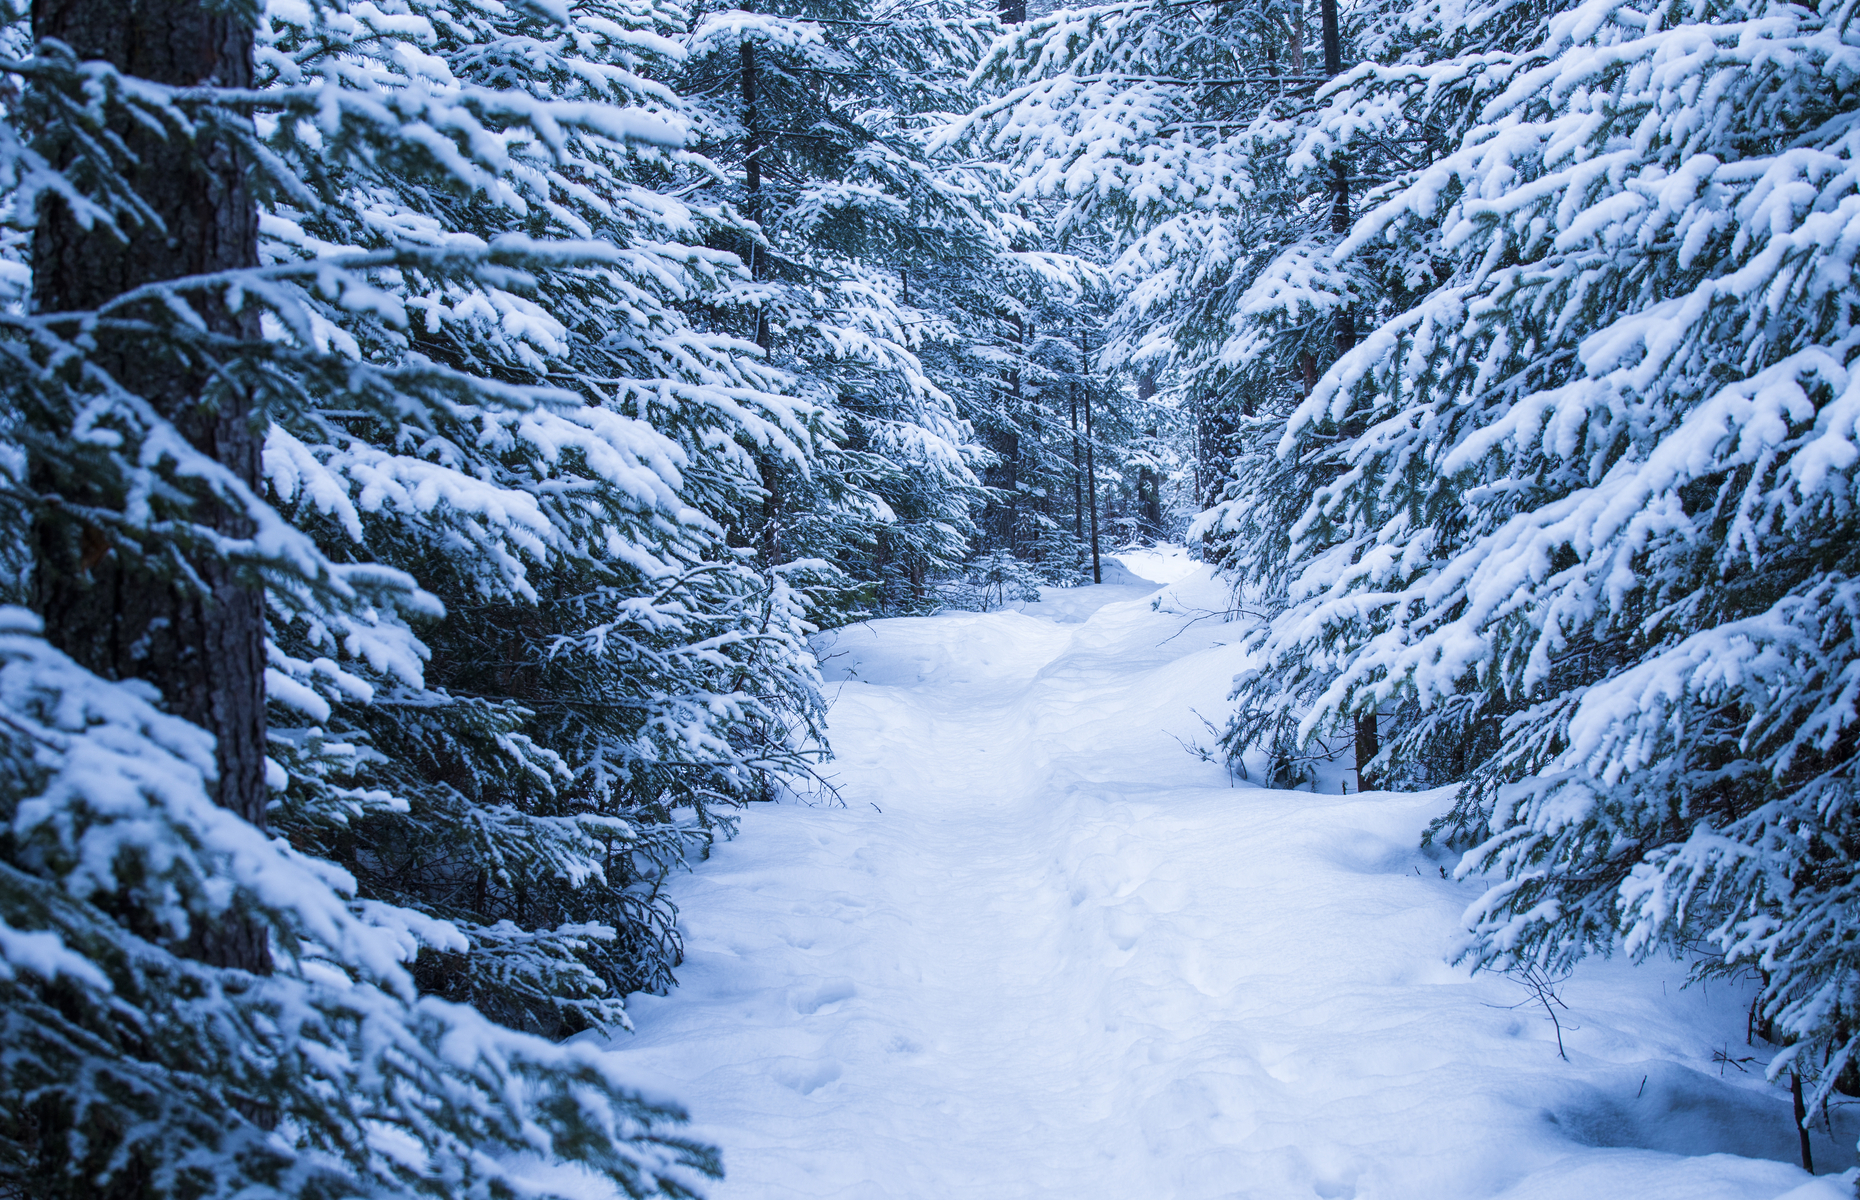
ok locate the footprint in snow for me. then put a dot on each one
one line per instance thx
(804, 1075)
(812, 998)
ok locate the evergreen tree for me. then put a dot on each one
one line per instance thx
(1589, 488)
(1052, 418)
(1525, 337)
(1153, 139)
(870, 265)
(1376, 129)
(417, 437)
(610, 677)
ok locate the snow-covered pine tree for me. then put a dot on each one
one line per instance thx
(871, 272)
(1155, 138)
(1372, 131)
(610, 676)
(1595, 489)
(1052, 420)
(1147, 127)
(455, 302)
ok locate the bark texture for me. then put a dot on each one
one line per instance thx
(1368, 745)
(121, 611)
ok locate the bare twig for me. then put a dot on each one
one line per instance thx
(1542, 986)
(1723, 1059)
(1232, 763)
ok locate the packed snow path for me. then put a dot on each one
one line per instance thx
(1043, 952)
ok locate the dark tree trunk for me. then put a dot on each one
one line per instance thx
(1368, 739)
(1091, 492)
(1340, 174)
(770, 471)
(1801, 1122)
(1333, 37)
(881, 558)
(1037, 501)
(1340, 225)
(769, 536)
(1149, 479)
(1149, 499)
(1091, 472)
(1004, 476)
(1004, 517)
(1198, 416)
(1078, 466)
(117, 612)
(1368, 745)
(1011, 532)
(752, 176)
(1011, 12)
(1218, 427)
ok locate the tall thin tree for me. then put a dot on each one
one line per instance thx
(1368, 736)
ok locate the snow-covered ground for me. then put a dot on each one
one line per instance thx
(1163, 562)
(1044, 952)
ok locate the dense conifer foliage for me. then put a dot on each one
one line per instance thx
(431, 430)
(1592, 487)
(869, 267)
(392, 415)
(1543, 470)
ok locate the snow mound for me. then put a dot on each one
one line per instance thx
(1164, 562)
(951, 650)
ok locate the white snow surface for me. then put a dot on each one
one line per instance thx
(1044, 952)
(1163, 562)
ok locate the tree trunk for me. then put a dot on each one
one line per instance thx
(201, 642)
(1333, 37)
(752, 176)
(1010, 530)
(1801, 1122)
(1002, 518)
(1368, 745)
(1149, 479)
(1218, 427)
(1340, 175)
(1149, 491)
(1091, 492)
(1004, 476)
(1368, 739)
(766, 466)
(1091, 473)
(1197, 409)
(1078, 466)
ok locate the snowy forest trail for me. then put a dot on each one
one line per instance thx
(1043, 952)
